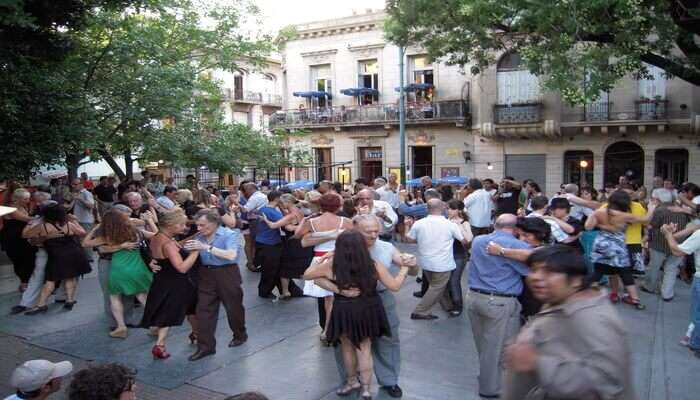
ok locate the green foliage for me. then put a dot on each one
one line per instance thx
(565, 42)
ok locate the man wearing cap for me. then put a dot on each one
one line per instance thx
(38, 379)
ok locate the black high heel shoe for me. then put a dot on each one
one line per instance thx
(69, 305)
(193, 338)
(37, 310)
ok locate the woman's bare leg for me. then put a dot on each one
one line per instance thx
(365, 364)
(285, 287)
(115, 301)
(46, 291)
(162, 334)
(328, 306)
(70, 285)
(350, 363)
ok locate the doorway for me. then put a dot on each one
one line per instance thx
(324, 172)
(578, 167)
(371, 162)
(624, 159)
(422, 161)
(672, 164)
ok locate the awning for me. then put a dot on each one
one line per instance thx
(454, 180)
(312, 93)
(300, 185)
(360, 92)
(414, 87)
(414, 182)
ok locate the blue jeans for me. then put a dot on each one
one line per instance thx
(695, 314)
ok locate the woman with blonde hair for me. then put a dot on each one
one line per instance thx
(173, 293)
(18, 249)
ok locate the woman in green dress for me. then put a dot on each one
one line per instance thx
(129, 275)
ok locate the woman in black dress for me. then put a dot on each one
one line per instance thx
(358, 314)
(172, 293)
(18, 249)
(67, 259)
(295, 258)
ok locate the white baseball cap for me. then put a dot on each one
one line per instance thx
(34, 374)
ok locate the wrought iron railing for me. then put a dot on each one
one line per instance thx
(451, 110)
(650, 110)
(597, 112)
(644, 110)
(517, 113)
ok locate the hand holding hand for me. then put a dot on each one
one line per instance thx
(669, 228)
(153, 265)
(129, 245)
(351, 293)
(494, 249)
(196, 245)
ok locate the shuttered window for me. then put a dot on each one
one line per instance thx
(519, 86)
(655, 86)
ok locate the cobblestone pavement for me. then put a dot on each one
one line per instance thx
(284, 359)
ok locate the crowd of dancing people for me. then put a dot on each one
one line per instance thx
(535, 265)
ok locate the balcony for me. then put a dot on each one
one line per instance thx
(651, 110)
(528, 113)
(451, 111)
(250, 97)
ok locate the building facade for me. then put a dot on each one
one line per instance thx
(340, 93)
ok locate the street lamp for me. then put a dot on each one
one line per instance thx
(583, 164)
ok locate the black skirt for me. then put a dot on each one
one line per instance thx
(358, 319)
(171, 297)
(295, 259)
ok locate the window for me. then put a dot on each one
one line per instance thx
(421, 72)
(321, 81)
(516, 85)
(672, 164)
(368, 77)
(238, 86)
(655, 86)
(578, 167)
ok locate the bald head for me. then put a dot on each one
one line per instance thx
(436, 207)
(505, 221)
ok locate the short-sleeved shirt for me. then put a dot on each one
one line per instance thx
(479, 206)
(265, 234)
(435, 235)
(256, 201)
(389, 196)
(225, 239)
(383, 252)
(105, 193)
(691, 245)
(81, 212)
(633, 234)
(496, 274)
(507, 202)
(662, 216)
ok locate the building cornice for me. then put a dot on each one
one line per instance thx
(319, 53)
(365, 47)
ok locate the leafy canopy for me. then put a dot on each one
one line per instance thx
(565, 42)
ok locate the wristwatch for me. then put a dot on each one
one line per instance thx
(211, 247)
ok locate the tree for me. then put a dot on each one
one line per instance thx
(567, 42)
(37, 106)
(146, 65)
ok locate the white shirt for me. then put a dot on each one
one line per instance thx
(256, 201)
(691, 245)
(435, 235)
(389, 196)
(387, 226)
(165, 202)
(81, 212)
(478, 206)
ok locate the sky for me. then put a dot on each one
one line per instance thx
(279, 13)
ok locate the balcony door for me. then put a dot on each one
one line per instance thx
(578, 167)
(672, 164)
(321, 81)
(653, 87)
(516, 85)
(368, 77)
(599, 109)
(324, 172)
(421, 161)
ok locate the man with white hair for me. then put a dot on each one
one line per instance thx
(435, 235)
(660, 255)
(38, 379)
(389, 191)
(366, 204)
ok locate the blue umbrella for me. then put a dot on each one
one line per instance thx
(413, 182)
(277, 182)
(454, 180)
(300, 185)
(414, 87)
(312, 93)
(360, 92)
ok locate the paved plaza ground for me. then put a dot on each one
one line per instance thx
(284, 359)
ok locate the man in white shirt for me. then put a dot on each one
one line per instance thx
(560, 229)
(381, 209)
(83, 205)
(38, 379)
(690, 246)
(255, 200)
(389, 192)
(435, 235)
(479, 206)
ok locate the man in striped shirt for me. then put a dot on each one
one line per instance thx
(660, 254)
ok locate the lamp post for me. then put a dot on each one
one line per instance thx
(402, 116)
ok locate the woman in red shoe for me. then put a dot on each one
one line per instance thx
(173, 294)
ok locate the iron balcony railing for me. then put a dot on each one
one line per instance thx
(450, 110)
(517, 113)
(644, 110)
(253, 97)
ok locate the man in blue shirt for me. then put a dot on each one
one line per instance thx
(219, 282)
(495, 282)
(268, 246)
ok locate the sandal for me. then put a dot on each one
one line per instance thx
(348, 389)
(634, 302)
(366, 394)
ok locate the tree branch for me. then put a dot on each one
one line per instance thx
(676, 69)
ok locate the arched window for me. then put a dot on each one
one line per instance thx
(516, 85)
(578, 167)
(624, 159)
